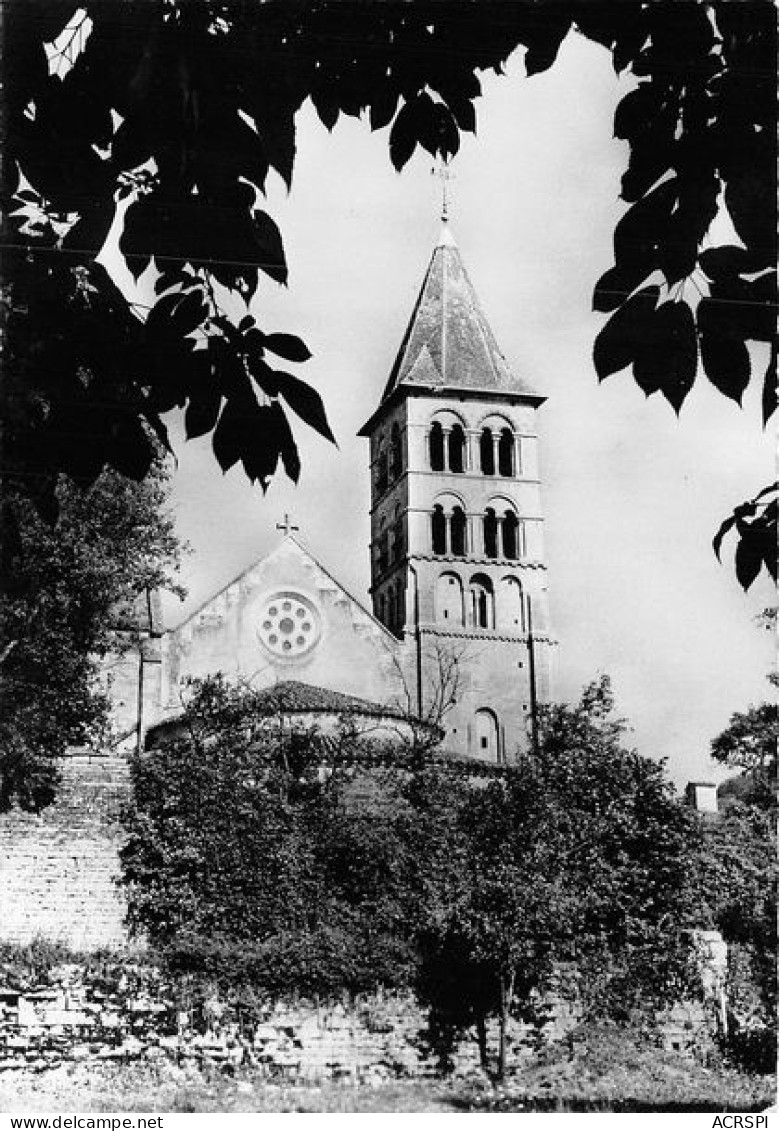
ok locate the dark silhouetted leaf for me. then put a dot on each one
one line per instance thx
(726, 526)
(383, 106)
(616, 285)
(205, 396)
(728, 261)
(287, 346)
(724, 353)
(229, 436)
(445, 133)
(750, 200)
(749, 305)
(169, 279)
(266, 377)
(286, 442)
(677, 255)
(651, 156)
(326, 105)
(260, 444)
(464, 113)
(188, 314)
(674, 321)
(543, 38)
(403, 135)
(615, 345)
(159, 322)
(306, 402)
(637, 234)
(651, 365)
(749, 559)
(270, 256)
(636, 110)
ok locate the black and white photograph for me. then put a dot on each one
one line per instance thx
(388, 700)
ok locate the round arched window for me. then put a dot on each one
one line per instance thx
(289, 625)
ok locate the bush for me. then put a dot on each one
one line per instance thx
(246, 861)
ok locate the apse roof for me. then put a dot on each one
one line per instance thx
(448, 343)
(294, 696)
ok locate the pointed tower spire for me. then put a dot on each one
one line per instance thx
(448, 343)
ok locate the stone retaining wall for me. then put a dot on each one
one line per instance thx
(120, 1010)
(126, 1011)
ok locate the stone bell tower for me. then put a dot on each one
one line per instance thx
(457, 547)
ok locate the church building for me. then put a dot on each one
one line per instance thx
(458, 629)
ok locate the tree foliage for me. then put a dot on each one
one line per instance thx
(749, 742)
(578, 857)
(163, 120)
(738, 875)
(245, 858)
(63, 587)
(269, 857)
(736, 884)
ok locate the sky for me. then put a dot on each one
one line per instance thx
(632, 494)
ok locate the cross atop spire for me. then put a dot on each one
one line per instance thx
(442, 171)
(286, 526)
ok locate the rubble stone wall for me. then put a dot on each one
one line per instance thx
(125, 1009)
(128, 1011)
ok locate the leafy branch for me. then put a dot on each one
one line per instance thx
(172, 115)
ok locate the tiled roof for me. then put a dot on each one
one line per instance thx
(448, 343)
(293, 696)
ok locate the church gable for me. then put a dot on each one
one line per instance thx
(285, 618)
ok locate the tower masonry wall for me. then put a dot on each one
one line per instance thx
(487, 712)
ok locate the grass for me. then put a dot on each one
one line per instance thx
(639, 1082)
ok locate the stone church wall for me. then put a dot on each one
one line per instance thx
(58, 867)
(348, 651)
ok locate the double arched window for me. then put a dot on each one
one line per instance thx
(449, 527)
(481, 612)
(497, 450)
(446, 445)
(503, 533)
(436, 446)
(490, 532)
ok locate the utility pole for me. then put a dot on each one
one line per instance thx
(531, 655)
(142, 637)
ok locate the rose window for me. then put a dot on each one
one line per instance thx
(288, 625)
